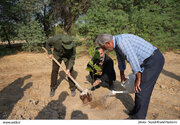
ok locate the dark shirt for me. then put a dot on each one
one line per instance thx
(59, 51)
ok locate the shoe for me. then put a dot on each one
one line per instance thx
(95, 87)
(98, 86)
(52, 92)
(73, 93)
(130, 113)
(129, 118)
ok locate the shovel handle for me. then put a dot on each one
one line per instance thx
(79, 87)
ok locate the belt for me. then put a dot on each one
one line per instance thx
(151, 55)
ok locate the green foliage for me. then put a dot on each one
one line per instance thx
(7, 31)
(33, 35)
(67, 11)
(16, 17)
(73, 30)
(80, 40)
(102, 18)
(8, 18)
(89, 69)
(17, 22)
(43, 14)
(91, 63)
(96, 55)
(97, 68)
(57, 30)
(157, 21)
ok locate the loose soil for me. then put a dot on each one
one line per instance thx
(25, 89)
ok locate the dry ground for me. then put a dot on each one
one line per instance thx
(25, 81)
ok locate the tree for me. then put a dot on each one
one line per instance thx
(157, 21)
(103, 17)
(33, 34)
(68, 11)
(93, 64)
(17, 22)
(44, 15)
(8, 18)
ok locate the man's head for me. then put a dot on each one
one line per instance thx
(101, 52)
(105, 41)
(67, 42)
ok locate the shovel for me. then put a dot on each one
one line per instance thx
(85, 95)
(116, 92)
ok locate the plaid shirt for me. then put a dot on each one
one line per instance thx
(133, 49)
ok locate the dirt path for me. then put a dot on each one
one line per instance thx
(24, 91)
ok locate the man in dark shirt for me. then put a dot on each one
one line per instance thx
(107, 73)
(64, 49)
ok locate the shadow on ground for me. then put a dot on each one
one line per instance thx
(62, 76)
(11, 94)
(77, 114)
(55, 109)
(125, 98)
(170, 74)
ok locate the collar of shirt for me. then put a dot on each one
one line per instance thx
(101, 61)
(103, 58)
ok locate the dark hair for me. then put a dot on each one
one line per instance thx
(97, 48)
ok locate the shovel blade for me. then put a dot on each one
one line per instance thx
(86, 97)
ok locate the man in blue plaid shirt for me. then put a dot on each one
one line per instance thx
(146, 62)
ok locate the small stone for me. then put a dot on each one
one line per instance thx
(162, 86)
(36, 102)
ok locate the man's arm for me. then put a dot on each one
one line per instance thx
(133, 60)
(108, 68)
(121, 66)
(97, 82)
(131, 56)
(122, 75)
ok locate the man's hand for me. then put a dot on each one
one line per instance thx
(96, 82)
(50, 56)
(137, 83)
(67, 72)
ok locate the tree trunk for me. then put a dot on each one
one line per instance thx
(7, 38)
(68, 23)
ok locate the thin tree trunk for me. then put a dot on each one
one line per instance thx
(7, 38)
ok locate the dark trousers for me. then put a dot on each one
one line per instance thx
(95, 77)
(152, 68)
(54, 75)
